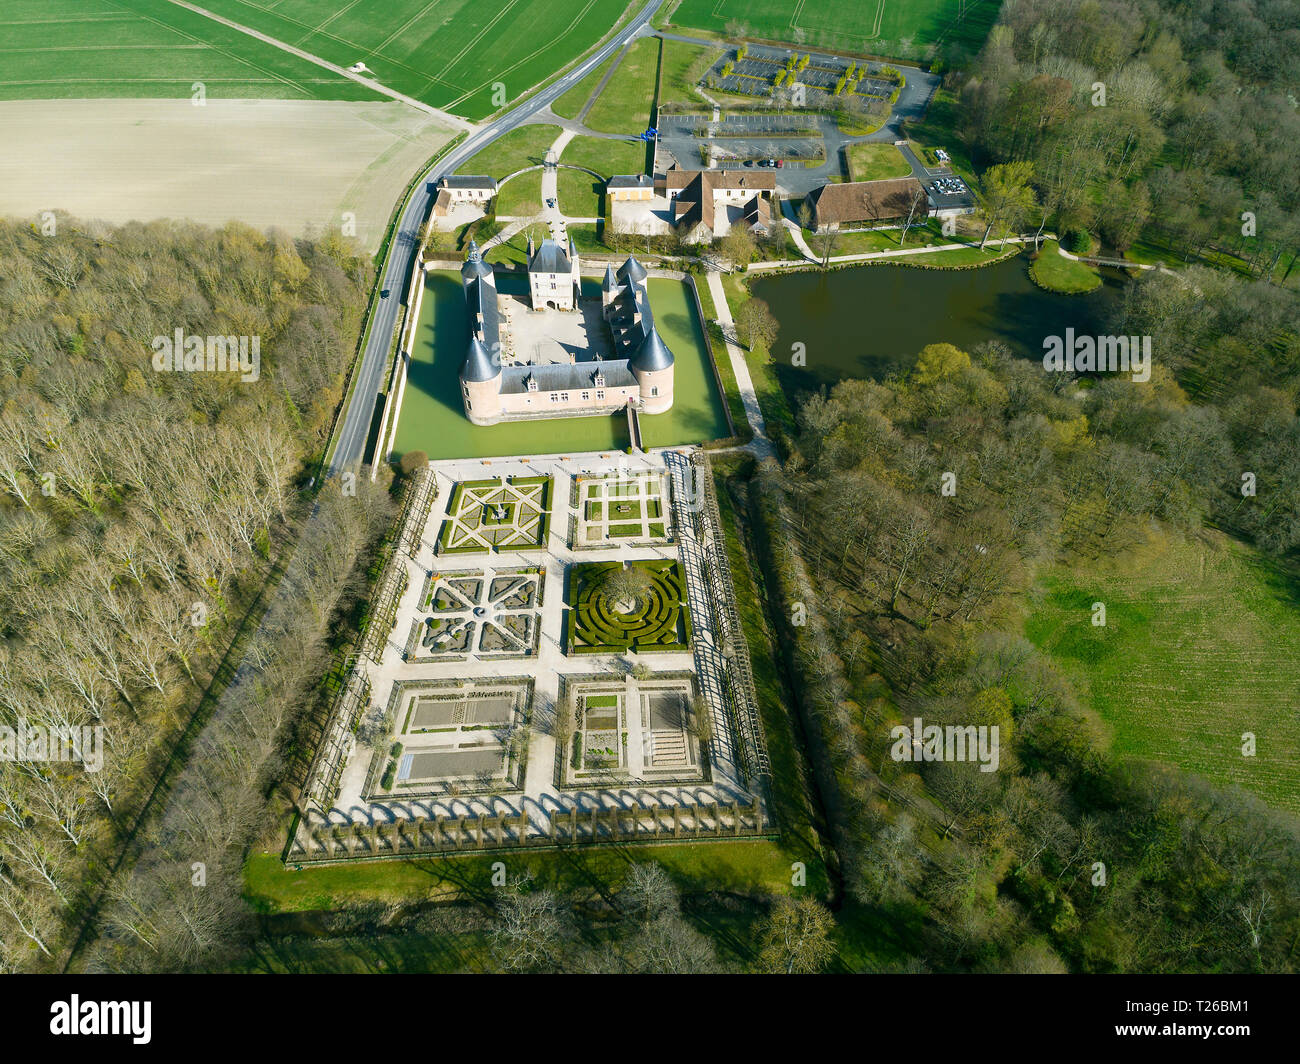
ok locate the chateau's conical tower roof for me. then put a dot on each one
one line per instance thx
(653, 354)
(609, 284)
(474, 264)
(479, 363)
(632, 269)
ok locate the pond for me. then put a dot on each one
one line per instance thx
(871, 321)
(432, 418)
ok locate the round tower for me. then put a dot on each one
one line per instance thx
(480, 384)
(652, 366)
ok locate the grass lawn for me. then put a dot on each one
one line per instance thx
(514, 252)
(684, 65)
(1056, 273)
(570, 104)
(579, 193)
(867, 241)
(963, 256)
(1201, 644)
(525, 146)
(771, 399)
(608, 157)
(624, 105)
(585, 239)
(520, 196)
(752, 866)
(875, 162)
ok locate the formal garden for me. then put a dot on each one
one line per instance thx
(637, 607)
(494, 515)
(621, 509)
(490, 613)
(446, 738)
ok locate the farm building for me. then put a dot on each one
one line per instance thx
(867, 203)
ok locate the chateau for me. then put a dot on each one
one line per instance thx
(556, 354)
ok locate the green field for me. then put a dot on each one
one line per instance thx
(580, 194)
(81, 49)
(570, 104)
(879, 26)
(433, 420)
(608, 157)
(1201, 644)
(450, 53)
(624, 104)
(518, 149)
(520, 196)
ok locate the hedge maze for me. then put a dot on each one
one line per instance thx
(494, 515)
(656, 619)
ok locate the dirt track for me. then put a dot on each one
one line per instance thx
(286, 163)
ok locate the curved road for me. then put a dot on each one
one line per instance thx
(354, 428)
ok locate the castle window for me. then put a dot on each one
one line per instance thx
(586, 396)
(600, 395)
(654, 391)
(532, 383)
(554, 397)
(564, 397)
(599, 380)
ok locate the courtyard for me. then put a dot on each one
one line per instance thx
(548, 336)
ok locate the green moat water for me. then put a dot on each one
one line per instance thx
(433, 420)
(871, 321)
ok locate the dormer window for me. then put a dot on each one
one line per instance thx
(531, 383)
(598, 380)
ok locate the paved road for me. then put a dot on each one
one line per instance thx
(354, 428)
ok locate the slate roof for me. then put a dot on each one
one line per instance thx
(630, 181)
(566, 376)
(484, 316)
(469, 181)
(550, 257)
(479, 364)
(631, 268)
(652, 354)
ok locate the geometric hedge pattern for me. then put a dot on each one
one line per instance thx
(660, 620)
(488, 515)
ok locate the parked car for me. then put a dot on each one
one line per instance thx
(551, 202)
(780, 162)
(749, 162)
